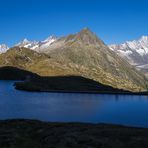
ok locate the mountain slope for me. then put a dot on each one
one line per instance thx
(33, 61)
(135, 52)
(86, 53)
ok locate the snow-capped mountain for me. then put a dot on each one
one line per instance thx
(28, 44)
(3, 48)
(136, 52)
(46, 43)
(37, 45)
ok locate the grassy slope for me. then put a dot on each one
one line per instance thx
(32, 61)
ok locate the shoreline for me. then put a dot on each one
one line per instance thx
(85, 92)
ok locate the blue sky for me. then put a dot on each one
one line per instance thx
(114, 21)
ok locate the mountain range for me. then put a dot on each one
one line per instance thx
(37, 45)
(80, 54)
(135, 52)
(33, 45)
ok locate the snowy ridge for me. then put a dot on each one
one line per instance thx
(47, 42)
(28, 44)
(33, 45)
(37, 45)
(140, 46)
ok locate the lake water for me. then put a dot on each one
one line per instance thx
(93, 108)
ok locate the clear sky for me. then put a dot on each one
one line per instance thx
(114, 21)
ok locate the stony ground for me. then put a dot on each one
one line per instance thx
(36, 134)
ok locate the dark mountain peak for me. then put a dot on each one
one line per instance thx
(80, 35)
(88, 37)
(86, 32)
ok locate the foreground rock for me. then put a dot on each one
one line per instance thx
(36, 134)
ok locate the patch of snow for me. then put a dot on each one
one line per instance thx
(3, 48)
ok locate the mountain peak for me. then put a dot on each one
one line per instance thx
(50, 39)
(22, 43)
(144, 38)
(88, 37)
(86, 31)
(25, 40)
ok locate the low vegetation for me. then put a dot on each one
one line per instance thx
(37, 134)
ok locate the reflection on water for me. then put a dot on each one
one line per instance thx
(120, 109)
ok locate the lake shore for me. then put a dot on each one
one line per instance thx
(37, 134)
(83, 92)
(65, 85)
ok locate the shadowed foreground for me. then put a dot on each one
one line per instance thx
(36, 134)
(55, 83)
(68, 84)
